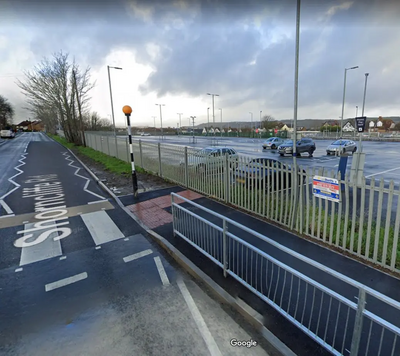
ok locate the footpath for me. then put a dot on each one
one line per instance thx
(153, 210)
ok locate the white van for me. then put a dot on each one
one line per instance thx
(7, 133)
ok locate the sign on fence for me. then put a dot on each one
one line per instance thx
(326, 188)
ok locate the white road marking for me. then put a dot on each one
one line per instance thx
(204, 331)
(389, 170)
(63, 258)
(19, 269)
(137, 255)
(127, 239)
(98, 247)
(2, 202)
(41, 251)
(97, 201)
(6, 207)
(66, 281)
(101, 227)
(6, 216)
(67, 157)
(161, 271)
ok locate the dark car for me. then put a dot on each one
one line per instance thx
(304, 145)
(255, 174)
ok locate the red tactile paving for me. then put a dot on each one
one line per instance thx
(151, 212)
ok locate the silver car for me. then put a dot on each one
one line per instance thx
(211, 158)
(341, 146)
(272, 143)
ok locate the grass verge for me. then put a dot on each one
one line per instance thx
(111, 164)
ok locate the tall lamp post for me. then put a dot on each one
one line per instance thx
(180, 121)
(260, 123)
(221, 120)
(251, 132)
(112, 105)
(162, 134)
(213, 108)
(193, 117)
(344, 95)
(154, 118)
(356, 110)
(208, 120)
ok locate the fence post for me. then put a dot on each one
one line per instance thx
(186, 169)
(355, 341)
(226, 178)
(159, 160)
(127, 149)
(141, 154)
(225, 246)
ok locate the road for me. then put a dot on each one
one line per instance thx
(78, 276)
(382, 159)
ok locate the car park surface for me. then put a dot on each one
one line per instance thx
(382, 158)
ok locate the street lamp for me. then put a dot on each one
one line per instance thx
(251, 122)
(193, 117)
(260, 123)
(154, 119)
(365, 92)
(221, 120)
(162, 136)
(208, 120)
(180, 121)
(356, 110)
(344, 95)
(213, 108)
(112, 106)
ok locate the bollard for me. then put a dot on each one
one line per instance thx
(127, 111)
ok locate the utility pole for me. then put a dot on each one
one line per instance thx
(180, 121)
(213, 109)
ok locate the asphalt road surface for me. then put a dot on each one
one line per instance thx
(382, 158)
(77, 276)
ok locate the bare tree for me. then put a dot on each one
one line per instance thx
(268, 122)
(57, 93)
(6, 112)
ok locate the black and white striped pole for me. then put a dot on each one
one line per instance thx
(128, 111)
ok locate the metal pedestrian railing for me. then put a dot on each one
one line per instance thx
(365, 222)
(341, 314)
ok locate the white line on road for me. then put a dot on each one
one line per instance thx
(63, 258)
(19, 269)
(98, 247)
(161, 271)
(48, 248)
(95, 202)
(137, 255)
(389, 170)
(67, 157)
(66, 281)
(6, 207)
(101, 227)
(204, 331)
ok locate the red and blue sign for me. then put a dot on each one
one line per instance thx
(326, 188)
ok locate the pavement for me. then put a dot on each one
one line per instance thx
(79, 275)
(154, 210)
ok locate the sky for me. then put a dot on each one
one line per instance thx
(175, 52)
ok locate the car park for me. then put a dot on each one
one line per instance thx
(304, 145)
(8, 133)
(341, 146)
(272, 143)
(260, 172)
(211, 158)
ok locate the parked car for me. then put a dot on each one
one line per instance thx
(144, 134)
(272, 143)
(8, 133)
(211, 158)
(341, 146)
(255, 174)
(304, 145)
